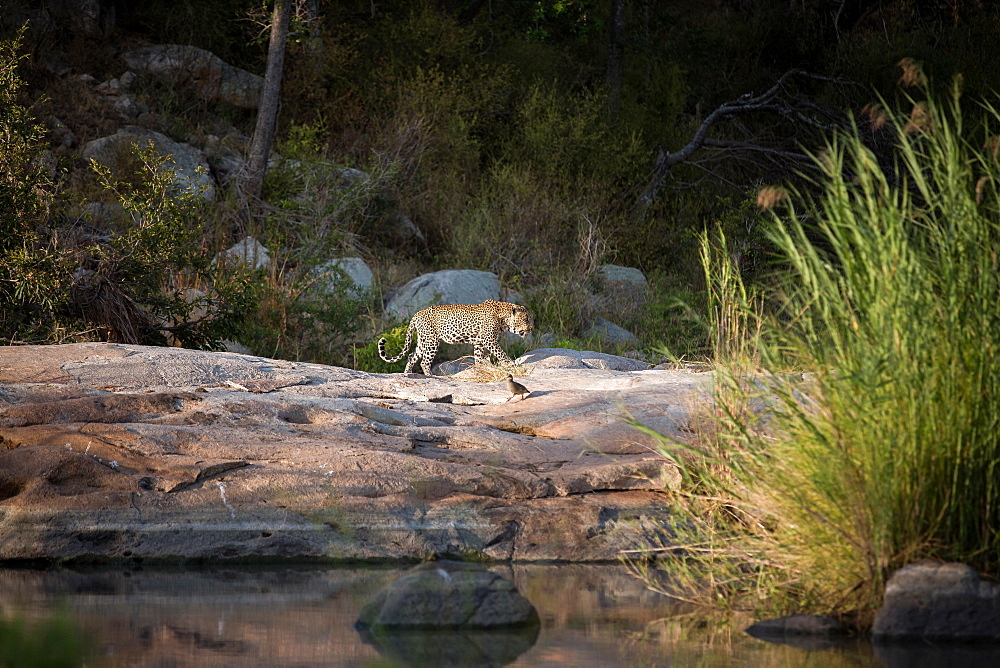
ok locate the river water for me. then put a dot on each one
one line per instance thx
(592, 615)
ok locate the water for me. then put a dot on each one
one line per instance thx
(592, 615)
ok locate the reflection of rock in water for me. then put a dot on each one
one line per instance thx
(451, 648)
(449, 614)
(806, 632)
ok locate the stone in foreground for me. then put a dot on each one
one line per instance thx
(938, 601)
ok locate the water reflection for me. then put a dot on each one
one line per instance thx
(458, 649)
(592, 615)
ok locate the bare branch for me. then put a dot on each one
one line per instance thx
(779, 100)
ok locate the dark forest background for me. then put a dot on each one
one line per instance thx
(532, 138)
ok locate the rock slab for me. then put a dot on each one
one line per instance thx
(116, 452)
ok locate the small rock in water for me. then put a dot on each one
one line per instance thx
(448, 595)
(450, 614)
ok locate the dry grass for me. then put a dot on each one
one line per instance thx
(488, 373)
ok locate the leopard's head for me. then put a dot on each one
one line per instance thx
(520, 321)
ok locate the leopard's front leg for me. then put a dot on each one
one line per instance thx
(494, 349)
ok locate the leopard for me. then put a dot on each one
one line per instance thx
(478, 324)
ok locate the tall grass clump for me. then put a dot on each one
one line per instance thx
(874, 434)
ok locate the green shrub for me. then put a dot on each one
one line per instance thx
(304, 315)
(152, 277)
(367, 358)
(141, 279)
(880, 375)
(55, 641)
(33, 283)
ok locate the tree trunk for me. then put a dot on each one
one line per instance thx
(270, 96)
(616, 48)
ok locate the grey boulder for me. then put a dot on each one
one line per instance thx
(938, 601)
(449, 595)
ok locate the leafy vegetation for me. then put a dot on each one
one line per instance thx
(495, 130)
(56, 641)
(877, 365)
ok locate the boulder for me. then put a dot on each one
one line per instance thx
(86, 18)
(611, 333)
(61, 135)
(189, 163)
(448, 595)
(449, 614)
(451, 367)
(613, 276)
(621, 294)
(450, 286)
(127, 107)
(211, 79)
(354, 270)
(247, 250)
(225, 155)
(401, 229)
(938, 601)
(564, 358)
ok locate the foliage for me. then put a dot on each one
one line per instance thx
(31, 282)
(672, 319)
(151, 268)
(367, 358)
(23, 178)
(136, 280)
(56, 641)
(490, 126)
(304, 314)
(880, 378)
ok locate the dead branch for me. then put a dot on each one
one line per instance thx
(780, 100)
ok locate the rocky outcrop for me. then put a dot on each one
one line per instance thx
(445, 613)
(610, 333)
(248, 251)
(938, 601)
(561, 358)
(126, 452)
(613, 277)
(211, 79)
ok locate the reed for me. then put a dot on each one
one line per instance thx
(870, 436)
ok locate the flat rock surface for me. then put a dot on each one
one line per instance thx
(123, 452)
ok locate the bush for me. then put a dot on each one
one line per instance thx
(297, 319)
(367, 358)
(880, 376)
(33, 283)
(54, 641)
(139, 279)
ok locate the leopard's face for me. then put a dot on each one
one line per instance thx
(520, 321)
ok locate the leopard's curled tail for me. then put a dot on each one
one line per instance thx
(406, 346)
